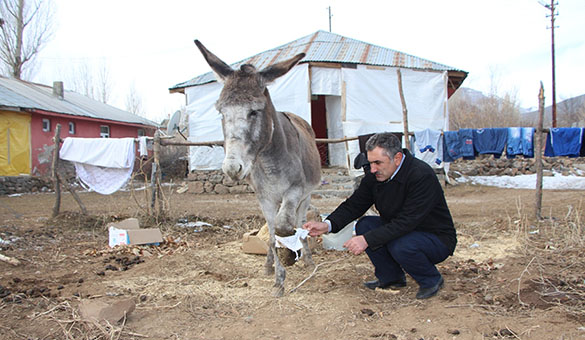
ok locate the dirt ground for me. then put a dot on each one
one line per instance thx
(510, 277)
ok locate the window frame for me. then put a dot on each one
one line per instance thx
(46, 128)
(105, 134)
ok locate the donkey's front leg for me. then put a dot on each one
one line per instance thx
(286, 222)
(272, 264)
(306, 256)
(269, 211)
(280, 274)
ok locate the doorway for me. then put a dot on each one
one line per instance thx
(319, 124)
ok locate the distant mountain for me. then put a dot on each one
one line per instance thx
(570, 112)
(475, 97)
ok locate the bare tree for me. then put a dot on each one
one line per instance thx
(466, 111)
(571, 112)
(79, 79)
(472, 109)
(92, 81)
(26, 28)
(134, 101)
(103, 83)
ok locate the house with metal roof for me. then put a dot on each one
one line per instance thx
(29, 114)
(343, 87)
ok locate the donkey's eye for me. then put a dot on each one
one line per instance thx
(253, 113)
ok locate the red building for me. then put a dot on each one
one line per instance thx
(29, 114)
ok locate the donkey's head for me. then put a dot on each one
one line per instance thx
(246, 109)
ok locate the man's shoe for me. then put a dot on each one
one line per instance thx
(425, 293)
(390, 285)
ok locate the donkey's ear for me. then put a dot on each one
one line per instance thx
(221, 69)
(269, 74)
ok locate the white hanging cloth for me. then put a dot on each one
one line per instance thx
(103, 164)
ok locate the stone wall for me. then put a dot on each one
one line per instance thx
(21, 184)
(215, 182)
(488, 165)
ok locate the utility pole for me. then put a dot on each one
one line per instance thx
(330, 15)
(552, 7)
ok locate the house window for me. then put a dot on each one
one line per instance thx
(105, 131)
(140, 132)
(46, 124)
(71, 128)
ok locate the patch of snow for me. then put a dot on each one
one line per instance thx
(557, 181)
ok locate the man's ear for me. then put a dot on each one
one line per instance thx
(398, 158)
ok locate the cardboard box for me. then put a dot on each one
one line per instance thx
(128, 231)
(253, 244)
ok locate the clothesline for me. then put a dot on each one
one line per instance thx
(435, 147)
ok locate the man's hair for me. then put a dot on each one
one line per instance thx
(387, 141)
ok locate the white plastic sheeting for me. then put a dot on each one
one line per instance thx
(337, 154)
(288, 93)
(372, 104)
(204, 126)
(326, 81)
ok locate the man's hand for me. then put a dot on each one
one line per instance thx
(316, 228)
(356, 244)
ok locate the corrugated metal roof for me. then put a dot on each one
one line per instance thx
(24, 95)
(323, 46)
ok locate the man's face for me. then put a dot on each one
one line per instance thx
(381, 165)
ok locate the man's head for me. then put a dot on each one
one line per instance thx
(384, 154)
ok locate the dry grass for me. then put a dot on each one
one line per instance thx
(555, 246)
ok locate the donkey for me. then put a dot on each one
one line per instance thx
(275, 151)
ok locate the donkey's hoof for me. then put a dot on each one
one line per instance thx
(287, 257)
(277, 291)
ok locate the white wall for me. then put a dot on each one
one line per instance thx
(372, 105)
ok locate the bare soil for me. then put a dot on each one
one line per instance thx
(510, 277)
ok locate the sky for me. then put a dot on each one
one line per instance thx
(505, 45)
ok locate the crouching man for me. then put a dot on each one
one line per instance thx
(414, 231)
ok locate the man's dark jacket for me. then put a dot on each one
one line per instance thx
(412, 200)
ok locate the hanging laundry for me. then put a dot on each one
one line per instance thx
(582, 152)
(452, 146)
(142, 147)
(528, 142)
(564, 142)
(467, 148)
(103, 164)
(514, 142)
(490, 141)
(429, 147)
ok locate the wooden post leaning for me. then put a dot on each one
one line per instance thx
(57, 179)
(538, 154)
(155, 174)
(404, 110)
(55, 163)
(73, 193)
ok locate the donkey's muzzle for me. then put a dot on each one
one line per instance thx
(233, 169)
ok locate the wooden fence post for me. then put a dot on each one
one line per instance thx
(404, 110)
(54, 165)
(71, 190)
(155, 174)
(538, 154)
